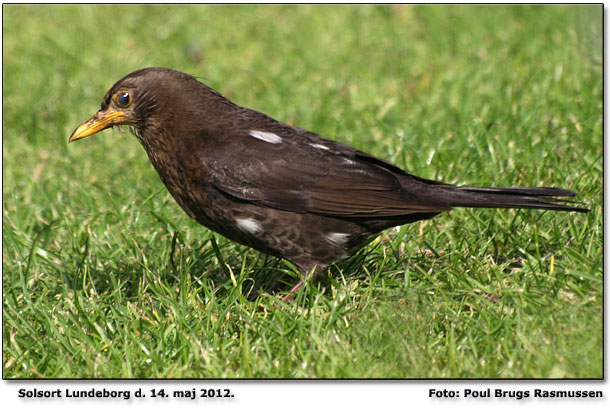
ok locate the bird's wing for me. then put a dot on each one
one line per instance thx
(302, 172)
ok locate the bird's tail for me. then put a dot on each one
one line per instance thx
(514, 198)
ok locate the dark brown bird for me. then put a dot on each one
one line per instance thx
(282, 190)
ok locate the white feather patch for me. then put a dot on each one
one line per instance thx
(338, 239)
(319, 146)
(266, 136)
(248, 225)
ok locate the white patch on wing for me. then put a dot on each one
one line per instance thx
(338, 239)
(319, 146)
(248, 225)
(266, 136)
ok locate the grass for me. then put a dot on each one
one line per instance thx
(105, 277)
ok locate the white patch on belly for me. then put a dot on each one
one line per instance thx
(338, 239)
(266, 136)
(248, 225)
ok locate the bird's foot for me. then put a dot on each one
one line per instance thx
(288, 297)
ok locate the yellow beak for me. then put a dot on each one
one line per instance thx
(98, 122)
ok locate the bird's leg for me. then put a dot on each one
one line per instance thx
(310, 272)
(288, 297)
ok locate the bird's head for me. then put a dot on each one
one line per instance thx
(145, 98)
(123, 104)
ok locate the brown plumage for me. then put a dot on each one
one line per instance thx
(282, 190)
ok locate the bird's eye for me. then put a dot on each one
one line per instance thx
(123, 99)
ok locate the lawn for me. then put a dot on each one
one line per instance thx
(104, 276)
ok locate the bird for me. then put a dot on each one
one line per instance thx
(282, 190)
